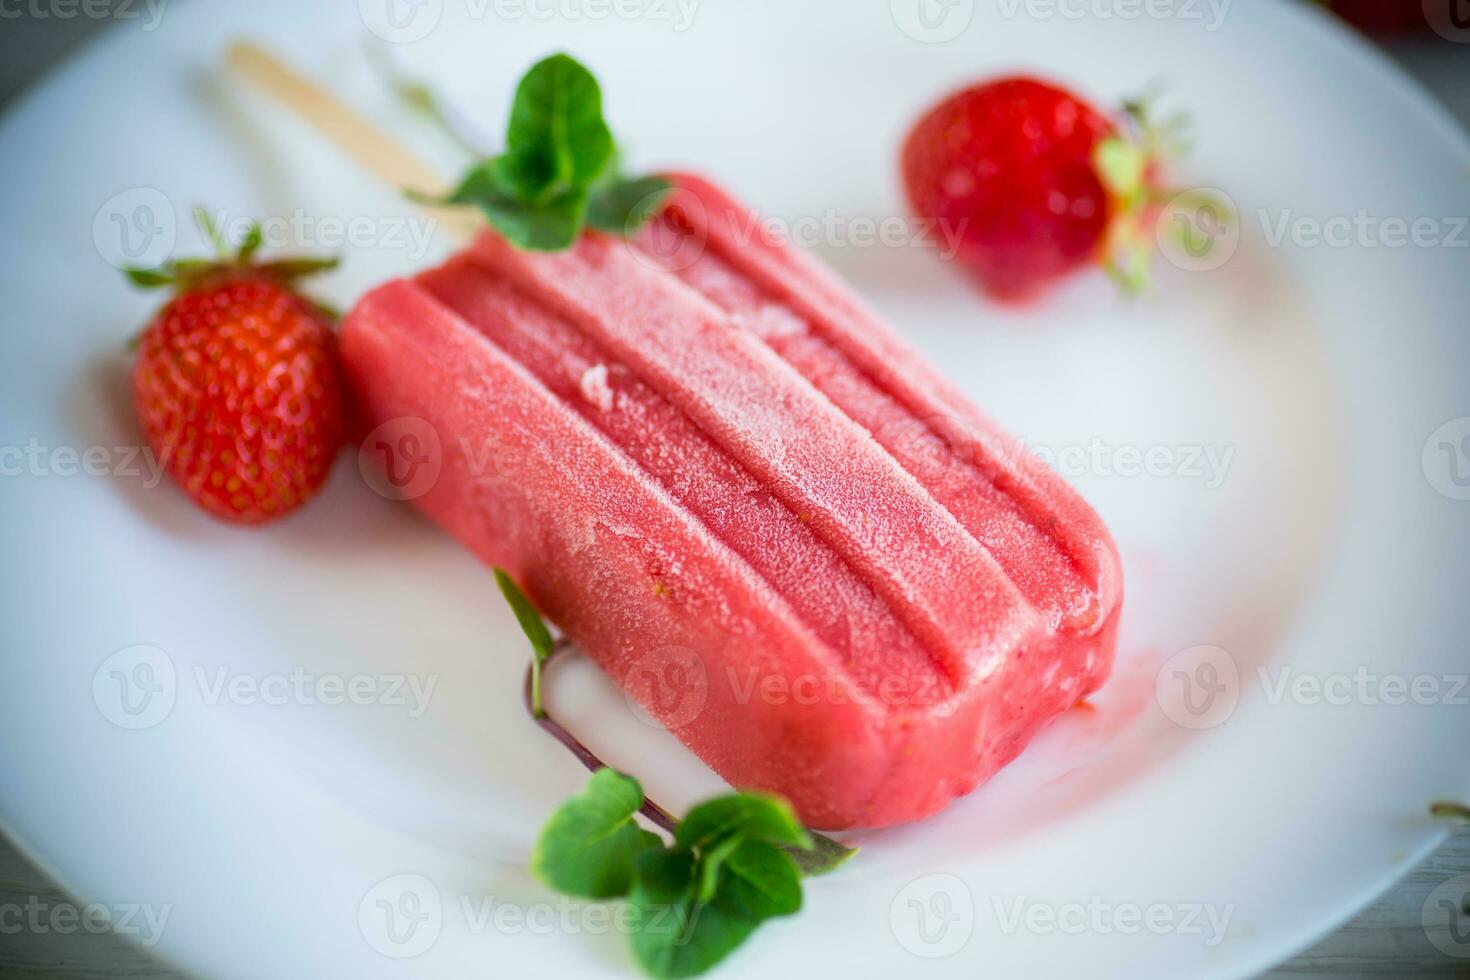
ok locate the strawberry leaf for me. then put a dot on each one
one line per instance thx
(150, 278)
(289, 270)
(250, 244)
(1121, 165)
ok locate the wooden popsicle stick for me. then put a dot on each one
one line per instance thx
(364, 142)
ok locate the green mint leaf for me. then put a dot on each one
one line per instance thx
(546, 226)
(590, 845)
(824, 855)
(531, 622)
(480, 182)
(754, 816)
(559, 169)
(622, 206)
(759, 881)
(550, 226)
(673, 935)
(557, 137)
(711, 863)
(535, 629)
(528, 176)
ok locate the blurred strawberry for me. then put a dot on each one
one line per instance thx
(1381, 16)
(1038, 184)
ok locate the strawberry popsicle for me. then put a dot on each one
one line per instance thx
(751, 503)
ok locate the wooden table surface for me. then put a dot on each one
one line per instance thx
(1386, 940)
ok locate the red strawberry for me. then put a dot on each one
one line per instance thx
(1035, 182)
(237, 384)
(1381, 17)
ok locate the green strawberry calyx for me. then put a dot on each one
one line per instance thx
(227, 265)
(1132, 166)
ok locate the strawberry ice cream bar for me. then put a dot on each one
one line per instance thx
(699, 450)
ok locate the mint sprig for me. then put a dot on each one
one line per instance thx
(589, 846)
(694, 902)
(558, 173)
(535, 629)
(734, 861)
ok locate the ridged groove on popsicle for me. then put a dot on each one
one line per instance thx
(574, 519)
(792, 286)
(878, 650)
(931, 571)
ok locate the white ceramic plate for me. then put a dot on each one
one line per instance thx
(1327, 540)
